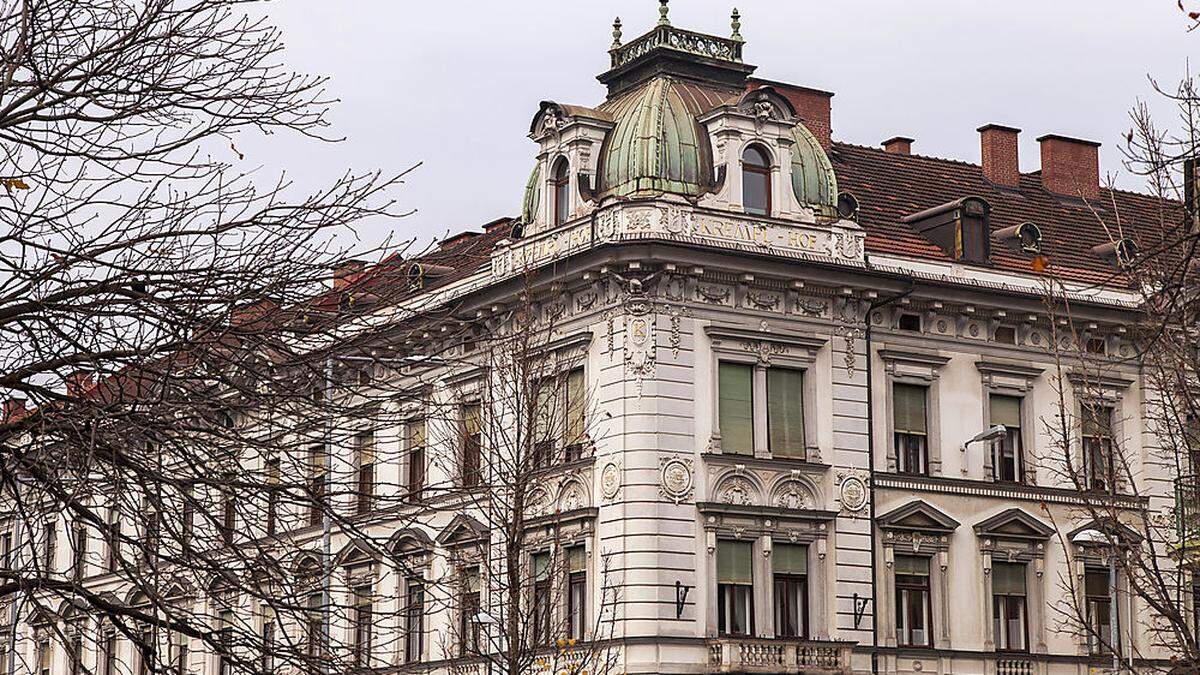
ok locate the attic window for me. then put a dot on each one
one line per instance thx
(1096, 346)
(959, 228)
(1006, 334)
(560, 191)
(909, 321)
(756, 181)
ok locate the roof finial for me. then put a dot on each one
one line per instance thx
(616, 33)
(662, 13)
(737, 25)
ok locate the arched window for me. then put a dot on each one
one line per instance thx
(560, 192)
(756, 181)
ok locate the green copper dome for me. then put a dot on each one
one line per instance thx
(533, 195)
(657, 146)
(812, 174)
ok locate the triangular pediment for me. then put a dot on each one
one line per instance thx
(1014, 524)
(917, 516)
(463, 529)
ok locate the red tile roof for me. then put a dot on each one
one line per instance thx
(890, 186)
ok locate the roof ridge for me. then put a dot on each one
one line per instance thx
(951, 160)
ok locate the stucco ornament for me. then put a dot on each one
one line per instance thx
(853, 491)
(738, 491)
(676, 477)
(610, 480)
(793, 495)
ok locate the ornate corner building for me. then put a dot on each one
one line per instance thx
(820, 375)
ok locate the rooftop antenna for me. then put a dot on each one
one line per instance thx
(737, 25)
(662, 13)
(616, 33)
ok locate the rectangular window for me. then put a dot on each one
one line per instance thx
(49, 545)
(317, 483)
(314, 627)
(108, 655)
(114, 539)
(468, 625)
(909, 426)
(910, 322)
(76, 663)
(785, 412)
(6, 551)
(576, 592)
(541, 598)
(225, 642)
(228, 516)
(416, 459)
(545, 422)
(45, 656)
(414, 621)
(789, 566)
(271, 470)
(361, 622)
(79, 560)
(472, 443)
(364, 453)
(735, 408)
(914, 613)
(735, 588)
(1007, 460)
(576, 409)
(1099, 610)
(179, 652)
(1009, 624)
(266, 661)
(1099, 472)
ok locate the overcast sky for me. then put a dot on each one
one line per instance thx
(454, 84)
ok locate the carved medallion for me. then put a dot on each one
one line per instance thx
(853, 492)
(610, 480)
(676, 476)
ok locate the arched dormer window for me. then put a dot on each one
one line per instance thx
(560, 193)
(756, 181)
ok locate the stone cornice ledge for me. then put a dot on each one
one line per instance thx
(978, 488)
(766, 511)
(790, 339)
(778, 463)
(912, 356)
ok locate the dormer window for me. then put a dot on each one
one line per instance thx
(756, 181)
(560, 192)
(960, 228)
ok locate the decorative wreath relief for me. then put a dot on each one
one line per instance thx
(676, 475)
(610, 480)
(853, 489)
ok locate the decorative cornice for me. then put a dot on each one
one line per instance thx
(1009, 369)
(914, 357)
(975, 488)
(766, 511)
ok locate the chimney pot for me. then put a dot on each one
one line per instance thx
(998, 150)
(898, 145)
(1070, 166)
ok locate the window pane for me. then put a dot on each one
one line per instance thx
(735, 408)
(912, 565)
(734, 560)
(789, 559)
(575, 406)
(576, 559)
(756, 182)
(785, 412)
(541, 566)
(1008, 578)
(908, 408)
(1006, 410)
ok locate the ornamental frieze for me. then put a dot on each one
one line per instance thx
(841, 241)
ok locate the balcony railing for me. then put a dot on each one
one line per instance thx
(1014, 666)
(1187, 513)
(757, 655)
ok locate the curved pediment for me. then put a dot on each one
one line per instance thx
(1014, 524)
(918, 516)
(410, 540)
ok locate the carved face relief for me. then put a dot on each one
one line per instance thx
(737, 491)
(610, 480)
(676, 477)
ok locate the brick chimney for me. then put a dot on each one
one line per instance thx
(898, 145)
(1070, 166)
(347, 272)
(998, 146)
